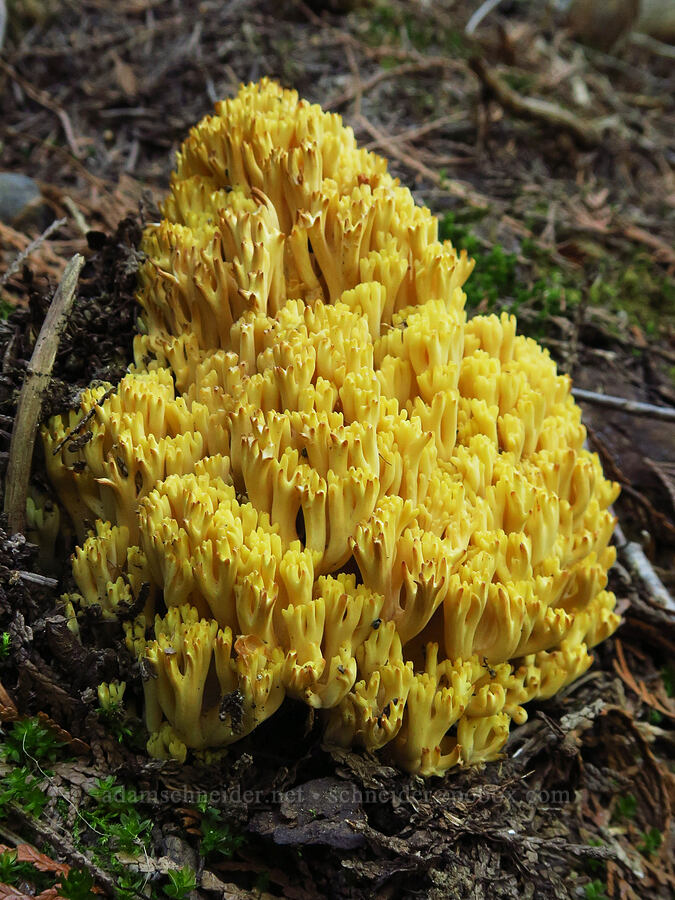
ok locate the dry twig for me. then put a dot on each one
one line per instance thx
(587, 132)
(32, 395)
(20, 259)
(60, 841)
(635, 557)
(40, 580)
(483, 10)
(623, 404)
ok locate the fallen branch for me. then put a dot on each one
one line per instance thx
(40, 580)
(61, 843)
(623, 404)
(483, 10)
(32, 394)
(652, 44)
(638, 563)
(20, 259)
(587, 132)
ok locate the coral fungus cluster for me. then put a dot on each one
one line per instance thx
(318, 479)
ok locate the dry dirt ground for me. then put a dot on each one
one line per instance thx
(568, 207)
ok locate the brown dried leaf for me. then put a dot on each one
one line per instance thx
(29, 854)
(78, 747)
(11, 893)
(125, 77)
(8, 710)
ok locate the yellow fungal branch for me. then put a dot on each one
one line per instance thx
(319, 479)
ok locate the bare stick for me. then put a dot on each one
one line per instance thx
(650, 43)
(634, 407)
(60, 839)
(32, 393)
(16, 265)
(40, 580)
(588, 132)
(3, 22)
(483, 10)
(638, 563)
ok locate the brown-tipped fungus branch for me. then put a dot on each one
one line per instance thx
(337, 488)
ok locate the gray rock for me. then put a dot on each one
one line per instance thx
(21, 203)
(657, 19)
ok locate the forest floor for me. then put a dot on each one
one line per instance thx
(569, 209)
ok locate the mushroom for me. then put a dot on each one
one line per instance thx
(318, 478)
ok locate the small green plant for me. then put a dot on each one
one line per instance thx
(5, 640)
(77, 885)
(30, 740)
(625, 807)
(130, 887)
(115, 821)
(181, 882)
(115, 720)
(131, 833)
(112, 796)
(595, 890)
(19, 786)
(655, 717)
(13, 872)
(111, 709)
(6, 309)
(651, 841)
(217, 835)
(8, 867)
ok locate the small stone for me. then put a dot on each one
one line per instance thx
(21, 203)
(602, 23)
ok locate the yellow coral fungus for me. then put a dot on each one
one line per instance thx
(335, 486)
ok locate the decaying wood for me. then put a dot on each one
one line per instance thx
(32, 394)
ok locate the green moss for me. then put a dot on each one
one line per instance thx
(651, 841)
(398, 24)
(499, 282)
(626, 807)
(637, 286)
(6, 309)
(595, 890)
(502, 280)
